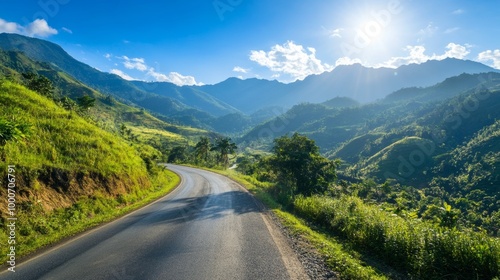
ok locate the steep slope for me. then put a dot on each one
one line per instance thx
(64, 157)
(108, 113)
(44, 51)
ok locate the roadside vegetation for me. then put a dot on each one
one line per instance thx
(352, 229)
(71, 174)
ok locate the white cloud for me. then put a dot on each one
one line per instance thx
(174, 78)
(134, 63)
(347, 61)
(454, 51)
(417, 55)
(38, 27)
(10, 27)
(488, 55)
(150, 73)
(458, 12)
(122, 74)
(240, 69)
(291, 59)
(67, 30)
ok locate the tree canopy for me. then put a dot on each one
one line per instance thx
(300, 167)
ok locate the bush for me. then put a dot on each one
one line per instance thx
(422, 249)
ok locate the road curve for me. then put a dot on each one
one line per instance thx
(208, 228)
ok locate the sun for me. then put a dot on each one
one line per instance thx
(373, 31)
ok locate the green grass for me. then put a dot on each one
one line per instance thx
(424, 250)
(71, 175)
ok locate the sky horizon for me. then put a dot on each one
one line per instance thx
(208, 41)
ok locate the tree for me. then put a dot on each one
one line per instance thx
(86, 102)
(203, 148)
(39, 83)
(224, 147)
(177, 154)
(300, 167)
(67, 103)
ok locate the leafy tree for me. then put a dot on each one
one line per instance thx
(202, 148)
(224, 147)
(86, 102)
(178, 154)
(39, 83)
(67, 103)
(300, 167)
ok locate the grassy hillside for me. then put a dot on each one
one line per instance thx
(70, 174)
(109, 113)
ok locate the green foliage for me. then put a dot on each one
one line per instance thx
(299, 166)
(202, 148)
(13, 131)
(38, 83)
(178, 154)
(225, 147)
(86, 102)
(425, 250)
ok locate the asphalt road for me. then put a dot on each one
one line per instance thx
(208, 228)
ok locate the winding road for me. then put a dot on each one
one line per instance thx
(207, 228)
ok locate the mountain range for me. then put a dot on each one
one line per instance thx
(202, 105)
(432, 126)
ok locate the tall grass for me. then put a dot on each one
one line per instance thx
(424, 250)
(70, 174)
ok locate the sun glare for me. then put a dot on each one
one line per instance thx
(373, 30)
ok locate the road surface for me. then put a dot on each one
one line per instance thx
(208, 228)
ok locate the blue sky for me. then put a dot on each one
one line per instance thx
(207, 41)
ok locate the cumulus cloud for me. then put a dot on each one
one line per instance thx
(240, 69)
(174, 77)
(417, 55)
(149, 73)
(134, 63)
(122, 74)
(489, 55)
(9, 27)
(291, 59)
(38, 27)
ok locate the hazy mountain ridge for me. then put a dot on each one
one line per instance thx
(357, 82)
(208, 106)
